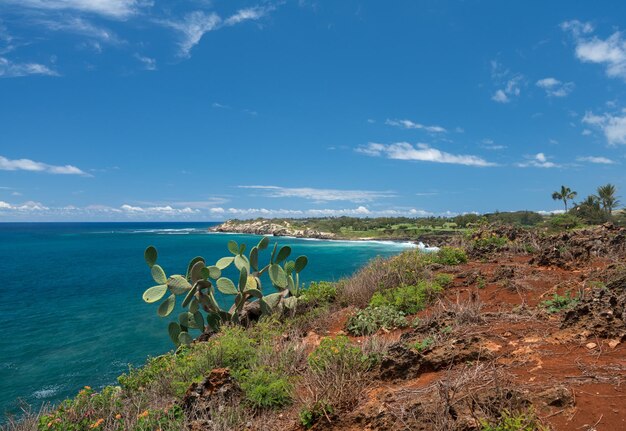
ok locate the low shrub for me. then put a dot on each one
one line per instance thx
(321, 292)
(449, 256)
(443, 279)
(407, 299)
(424, 344)
(493, 242)
(265, 388)
(371, 319)
(559, 303)
(522, 421)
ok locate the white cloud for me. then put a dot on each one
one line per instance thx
(555, 88)
(488, 144)
(82, 27)
(421, 152)
(612, 125)
(596, 159)
(118, 9)
(510, 85)
(8, 69)
(196, 24)
(610, 52)
(539, 160)
(408, 124)
(321, 195)
(550, 212)
(148, 63)
(167, 209)
(30, 165)
(25, 207)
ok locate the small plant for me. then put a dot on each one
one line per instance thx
(480, 282)
(491, 242)
(514, 422)
(265, 388)
(449, 256)
(443, 279)
(371, 319)
(321, 292)
(424, 344)
(311, 414)
(559, 303)
(337, 350)
(407, 299)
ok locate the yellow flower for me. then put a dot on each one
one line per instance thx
(143, 414)
(118, 416)
(88, 388)
(96, 424)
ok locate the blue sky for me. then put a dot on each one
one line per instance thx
(208, 110)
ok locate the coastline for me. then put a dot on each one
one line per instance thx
(284, 229)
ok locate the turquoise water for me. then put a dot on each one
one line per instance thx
(71, 312)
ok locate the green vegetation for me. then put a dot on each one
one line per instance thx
(566, 194)
(371, 319)
(199, 290)
(407, 299)
(607, 195)
(443, 279)
(423, 344)
(522, 421)
(321, 292)
(265, 388)
(559, 303)
(448, 256)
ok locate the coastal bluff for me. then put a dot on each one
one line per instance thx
(268, 227)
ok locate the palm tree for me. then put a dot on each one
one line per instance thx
(566, 194)
(606, 195)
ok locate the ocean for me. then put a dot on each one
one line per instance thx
(71, 312)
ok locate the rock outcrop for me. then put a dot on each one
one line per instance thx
(267, 227)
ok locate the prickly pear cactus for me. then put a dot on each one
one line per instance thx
(197, 287)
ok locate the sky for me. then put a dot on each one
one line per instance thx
(209, 110)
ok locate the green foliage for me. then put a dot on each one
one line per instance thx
(491, 242)
(321, 292)
(564, 222)
(449, 256)
(311, 414)
(338, 350)
(559, 303)
(199, 284)
(443, 279)
(514, 422)
(371, 319)
(423, 344)
(407, 299)
(265, 388)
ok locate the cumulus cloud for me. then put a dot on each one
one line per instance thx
(30, 165)
(9, 69)
(196, 24)
(420, 152)
(167, 209)
(612, 125)
(609, 52)
(148, 63)
(408, 124)
(321, 195)
(596, 159)
(539, 160)
(555, 88)
(118, 9)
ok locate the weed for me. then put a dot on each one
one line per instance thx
(407, 299)
(424, 344)
(559, 303)
(443, 279)
(321, 292)
(265, 388)
(371, 319)
(522, 421)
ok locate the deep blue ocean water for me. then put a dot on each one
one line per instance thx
(71, 312)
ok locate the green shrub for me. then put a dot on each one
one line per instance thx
(449, 256)
(559, 303)
(311, 414)
(334, 351)
(265, 388)
(371, 319)
(564, 222)
(491, 242)
(407, 299)
(321, 292)
(423, 344)
(514, 422)
(443, 279)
